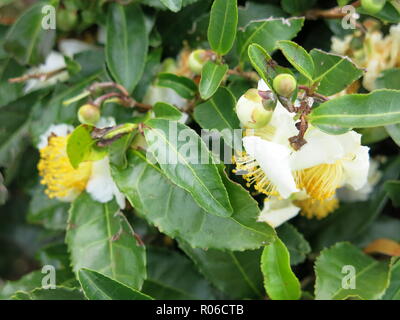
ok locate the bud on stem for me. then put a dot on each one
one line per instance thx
(89, 114)
(285, 84)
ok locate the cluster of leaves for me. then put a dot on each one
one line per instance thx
(191, 231)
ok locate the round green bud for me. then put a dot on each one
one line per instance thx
(251, 111)
(284, 84)
(373, 6)
(66, 19)
(89, 114)
(197, 60)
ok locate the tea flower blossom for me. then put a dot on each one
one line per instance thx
(310, 175)
(65, 182)
(378, 53)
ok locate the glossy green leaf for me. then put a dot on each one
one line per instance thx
(173, 5)
(127, 44)
(393, 292)
(389, 79)
(211, 77)
(183, 86)
(97, 286)
(279, 280)
(294, 241)
(298, 57)
(142, 182)
(344, 271)
(378, 108)
(260, 59)
(79, 144)
(219, 113)
(59, 293)
(223, 24)
(393, 189)
(267, 32)
(257, 11)
(237, 274)
(9, 92)
(27, 41)
(164, 110)
(388, 14)
(100, 238)
(188, 164)
(172, 276)
(333, 72)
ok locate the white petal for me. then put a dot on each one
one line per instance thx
(320, 148)
(262, 86)
(277, 212)
(60, 130)
(273, 159)
(284, 124)
(156, 94)
(70, 47)
(101, 186)
(105, 122)
(356, 170)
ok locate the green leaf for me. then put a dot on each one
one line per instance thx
(32, 281)
(188, 164)
(333, 267)
(219, 113)
(127, 44)
(378, 108)
(9, 92)
(52, 213)
(59, 293)
(173, 5)
(171, 276)
(27, 41)
(142, 182)
(267, 32)
(393, 292)
(183, 86)
(97, 286)
(257, 11)
(223, 24)
(279, 280)
(393, 190)
(79, 144)
(294, 241)
(237, 274)
(388, 14)
(211, 77)
(166, 111)
(298, 57)
(100, 238)
(296, 7)
(394, 132)
(14, 121)
(388, 79)
(117, 150)
(333, 72)
(259, 59)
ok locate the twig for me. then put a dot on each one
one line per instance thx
(334, 13)
(41, 76)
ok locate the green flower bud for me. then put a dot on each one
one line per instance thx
(373, 6)
(66, 19)
(197, 60)
(89, 114)
(251, 112)
(285, 84)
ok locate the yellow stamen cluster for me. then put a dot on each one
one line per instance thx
(60, 178)
(253, 174)
(321, 181)
(317, 208)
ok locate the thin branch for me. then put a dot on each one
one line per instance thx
(41, 76)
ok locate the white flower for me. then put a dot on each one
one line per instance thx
(276, 212)
(349, 194)
(66, 183)
(324, 164)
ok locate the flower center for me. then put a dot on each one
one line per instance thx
(317, 208)
(321, 181)
(60, 178)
